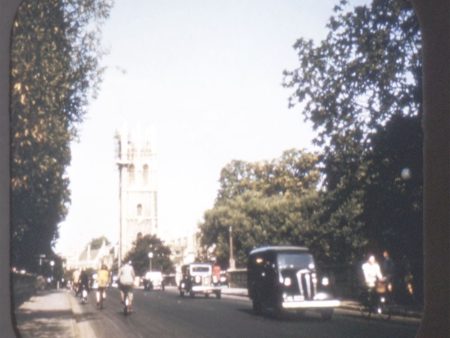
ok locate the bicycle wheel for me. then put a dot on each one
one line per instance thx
(126, 304)
(384, 311)
(101, 300)
(365, 311)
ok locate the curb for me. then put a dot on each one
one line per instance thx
(80, 329)
(348, 305)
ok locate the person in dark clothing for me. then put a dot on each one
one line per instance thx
(84, 281)
(388, 269)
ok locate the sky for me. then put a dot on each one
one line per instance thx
(206, 76)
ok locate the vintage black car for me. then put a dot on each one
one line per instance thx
(284, 278)
(198, 279)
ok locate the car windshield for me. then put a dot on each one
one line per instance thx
(200, 269)
(292, 260)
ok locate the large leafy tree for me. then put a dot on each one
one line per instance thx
(361, 89)
(263, 203)
(140, 259)
(54, 72)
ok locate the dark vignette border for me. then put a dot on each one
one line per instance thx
(8, 9)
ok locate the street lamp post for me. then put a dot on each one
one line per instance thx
(232, 262)
(41, 259)
(150, 256)
(52, 265)
(122, 163)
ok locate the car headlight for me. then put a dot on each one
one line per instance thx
(320, 296)
(325, 281)
(182, 285)
(287, 281)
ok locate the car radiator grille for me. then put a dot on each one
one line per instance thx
(306, 284)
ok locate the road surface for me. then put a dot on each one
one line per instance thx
(166, 314)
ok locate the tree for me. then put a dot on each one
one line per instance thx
(54, 72)
(97, 243)
(264, 203)
(140, 259)
(361, 87)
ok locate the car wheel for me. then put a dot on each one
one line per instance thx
(257, 306)
(327, 314)
(181, 293)
(192, 294)
(218, 294)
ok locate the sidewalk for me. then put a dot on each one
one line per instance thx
(52, 313)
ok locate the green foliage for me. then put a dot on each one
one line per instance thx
(361, 89)
(97, 243)
(264, 203)
(393, 202)
(139, 255)
(54, 71)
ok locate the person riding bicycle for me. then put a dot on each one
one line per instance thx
(372, 275)
(102, 283)
(388, 270)
(76, 281)
(83, 281)
(126, 281)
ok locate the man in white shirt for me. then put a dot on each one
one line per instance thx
(372, 272)
(126, 281)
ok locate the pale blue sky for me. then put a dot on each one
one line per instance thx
(207, 76)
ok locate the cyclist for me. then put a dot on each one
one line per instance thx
(75, 281)
(372, 275)
(83, 281)
(102, 283)
(126, 281)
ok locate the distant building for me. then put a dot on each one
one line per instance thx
(92, 257)
(138, 198)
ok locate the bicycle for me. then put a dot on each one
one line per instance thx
(127, 297)
(375, 301)
(100, 297)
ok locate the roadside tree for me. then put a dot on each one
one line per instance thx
(138, 255)
(361, 89)
(54, 71)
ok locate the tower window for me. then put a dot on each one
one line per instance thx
(145, 174)
(139, 210)
(131, 174)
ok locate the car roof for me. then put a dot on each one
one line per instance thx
(198, 263)
(279, 248)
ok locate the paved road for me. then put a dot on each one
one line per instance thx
(165, 314)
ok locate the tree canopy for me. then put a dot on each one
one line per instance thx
(55, 70)
(138, 255)
(361, 89)
(270, 202)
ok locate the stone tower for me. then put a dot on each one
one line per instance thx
(138, 208)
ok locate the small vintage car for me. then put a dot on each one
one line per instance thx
(284, 278)
(153, 280)
(198, 279)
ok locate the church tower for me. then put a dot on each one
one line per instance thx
(138, 203)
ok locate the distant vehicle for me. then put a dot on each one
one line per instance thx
(223, 278)
(198, 279)
(284, 278)
(84, 294)
(115, 281)
(153, 280)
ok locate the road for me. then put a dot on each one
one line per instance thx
(166, 314)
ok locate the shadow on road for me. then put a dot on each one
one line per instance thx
(284, 317)
(43, 323)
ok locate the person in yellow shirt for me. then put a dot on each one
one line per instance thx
(102, 283)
